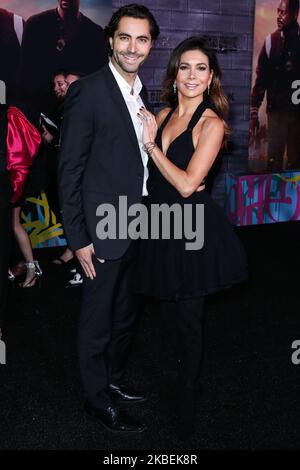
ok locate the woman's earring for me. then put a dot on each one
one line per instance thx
(208, 88)
(174, 87)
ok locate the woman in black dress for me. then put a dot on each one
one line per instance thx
(183, 142)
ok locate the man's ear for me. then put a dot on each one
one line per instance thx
(111, 43)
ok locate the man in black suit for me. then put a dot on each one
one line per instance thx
(61, 38)
(102, 158)
(11, 31)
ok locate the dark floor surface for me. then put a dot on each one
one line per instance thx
(251, 388)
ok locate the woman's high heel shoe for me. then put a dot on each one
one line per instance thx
(38, 270)
(34, 274)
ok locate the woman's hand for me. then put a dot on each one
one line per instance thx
(149, 125)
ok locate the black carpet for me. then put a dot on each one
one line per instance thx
(250, 387)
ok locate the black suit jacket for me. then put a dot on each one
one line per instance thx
(99, 160)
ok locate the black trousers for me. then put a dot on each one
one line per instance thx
(5, 239)
(106, 326)
(183, 320)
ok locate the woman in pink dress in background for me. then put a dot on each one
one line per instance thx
(19, 143)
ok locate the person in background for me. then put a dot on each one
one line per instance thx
(183, 142)
(19, 143)
(62, 79)
(277, 68)
(61, 38)
(11, 32)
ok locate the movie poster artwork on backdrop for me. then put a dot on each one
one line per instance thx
(48, 43)
(45, 45)
(274, 137)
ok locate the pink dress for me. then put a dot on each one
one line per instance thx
(23, 141)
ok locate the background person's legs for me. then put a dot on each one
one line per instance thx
(277, 140)
(293, 143)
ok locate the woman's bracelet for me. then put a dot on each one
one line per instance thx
(149, 147)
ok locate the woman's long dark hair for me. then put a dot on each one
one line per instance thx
(216, 94)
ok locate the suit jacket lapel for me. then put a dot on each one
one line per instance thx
(122, 107)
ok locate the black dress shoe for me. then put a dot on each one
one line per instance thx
(113, 420)
(125, 395)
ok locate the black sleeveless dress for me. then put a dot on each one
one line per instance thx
(165, 268)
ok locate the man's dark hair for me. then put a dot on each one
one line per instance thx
(133, 11)
(294, 6)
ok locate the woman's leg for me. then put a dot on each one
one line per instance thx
(189, 326)
(24, 243)
(190, 331)
(22, 236)
(183, 322)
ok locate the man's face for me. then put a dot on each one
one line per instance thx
(131, 44)
(284, 16)
(69, 5)
(60, 86)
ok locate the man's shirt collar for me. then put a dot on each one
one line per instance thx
(123, 85)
